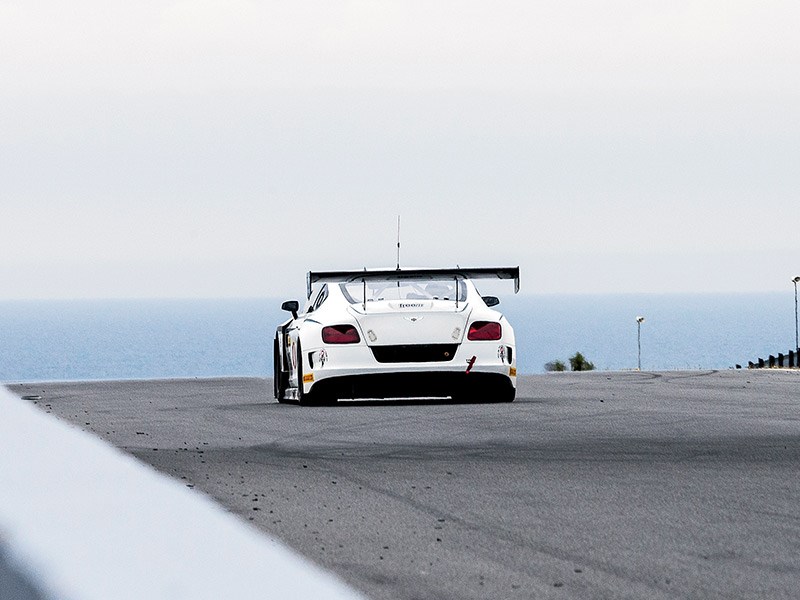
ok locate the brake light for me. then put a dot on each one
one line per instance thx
(340, 334)
(484, 330)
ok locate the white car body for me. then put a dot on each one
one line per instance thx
(395, 333)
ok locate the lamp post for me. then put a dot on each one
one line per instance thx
(796, 340)
(639, 321)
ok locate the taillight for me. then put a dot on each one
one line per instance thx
(484, 330)
(340, 334)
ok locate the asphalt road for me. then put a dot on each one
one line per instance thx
(590, 485)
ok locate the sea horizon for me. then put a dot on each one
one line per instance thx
(155, 338)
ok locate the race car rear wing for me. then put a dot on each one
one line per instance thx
(395, 274)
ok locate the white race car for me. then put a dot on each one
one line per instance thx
(396, 333)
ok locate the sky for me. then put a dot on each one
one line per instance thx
(222, 148)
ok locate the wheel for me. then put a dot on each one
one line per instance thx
(279, 376)
(501, 391)
(485, 392)
(505, 394)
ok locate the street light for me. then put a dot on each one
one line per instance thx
(796, 341)
(639, 321)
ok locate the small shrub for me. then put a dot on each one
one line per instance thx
(555, 365)
(579, 363)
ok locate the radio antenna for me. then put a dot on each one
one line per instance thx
(398, 242)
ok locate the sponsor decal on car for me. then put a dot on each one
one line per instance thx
(308, 377)
(512, 372)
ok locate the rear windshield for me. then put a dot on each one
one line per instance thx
(404, 289)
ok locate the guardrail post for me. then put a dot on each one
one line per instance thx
(771, 361)
(760, 363)
(791, 358)
(780, 359)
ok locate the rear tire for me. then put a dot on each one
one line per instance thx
(506, 395)
(279, 376)
(485, 393)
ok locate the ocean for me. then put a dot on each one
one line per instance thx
(142, 339)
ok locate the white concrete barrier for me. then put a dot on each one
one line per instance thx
(80, 520)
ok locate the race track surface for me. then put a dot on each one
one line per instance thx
(590, 485)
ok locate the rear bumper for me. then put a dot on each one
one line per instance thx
(425, 384)
(354, 372)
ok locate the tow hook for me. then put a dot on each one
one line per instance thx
(471, 363)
